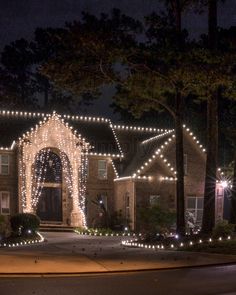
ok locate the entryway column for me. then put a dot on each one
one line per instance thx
(28, 186)
(76, 214)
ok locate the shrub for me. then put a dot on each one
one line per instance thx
(223, 229)
(22, 223)
(156, 219)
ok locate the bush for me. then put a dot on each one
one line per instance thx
(156, 219)
(2, 226)
(223, 229)
(23, 223)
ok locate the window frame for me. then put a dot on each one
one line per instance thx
(196, 208)
(5, 165)
(9, 202)
(106, 170)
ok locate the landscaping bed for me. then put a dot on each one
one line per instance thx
(220, 247)
(13, 241)
(102, 232)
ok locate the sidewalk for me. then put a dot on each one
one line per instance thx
(70, 253)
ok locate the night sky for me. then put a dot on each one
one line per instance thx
(19, 18)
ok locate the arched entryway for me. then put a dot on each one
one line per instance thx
(48, 168)
(55, 135)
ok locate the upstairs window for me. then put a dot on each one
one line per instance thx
(102, 169)
(5, 203)
(4, 164)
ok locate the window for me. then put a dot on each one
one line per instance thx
(154, 200)
(5, 203)
(195, 206)
(102, 169)
(4, 164)
(185, 164)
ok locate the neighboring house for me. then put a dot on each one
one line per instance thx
(74, 170)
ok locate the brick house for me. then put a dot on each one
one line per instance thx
(74, 170)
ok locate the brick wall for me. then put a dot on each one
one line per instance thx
(96, 187)
(9, 182)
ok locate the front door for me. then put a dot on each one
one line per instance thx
(49, 168)
(50, 204)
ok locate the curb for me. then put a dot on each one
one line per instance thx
(112, 272)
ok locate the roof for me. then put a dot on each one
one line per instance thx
(133, 145)
(140, 148)
(98, 131)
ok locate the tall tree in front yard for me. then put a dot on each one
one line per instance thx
(208, 220)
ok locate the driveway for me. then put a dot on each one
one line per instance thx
(72, 253)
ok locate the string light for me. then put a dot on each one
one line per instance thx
(133, 243)
(139, 128)
(157, 137)
(73, 151)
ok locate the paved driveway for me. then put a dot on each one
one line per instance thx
(69, 252)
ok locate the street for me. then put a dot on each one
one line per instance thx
(208, 280)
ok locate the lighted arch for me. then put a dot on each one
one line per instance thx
(54, 133)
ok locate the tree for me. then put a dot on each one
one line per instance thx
(94, 55)
(16, 59)
(208, 220)
(149, 75)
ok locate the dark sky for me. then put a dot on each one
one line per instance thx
(19, 18)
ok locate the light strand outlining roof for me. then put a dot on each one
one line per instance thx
(26, 114)
(139, 128)
(42, 115)
(116, 139)
(114, 168)
(160, 155)
(134, 177)
(157, 136)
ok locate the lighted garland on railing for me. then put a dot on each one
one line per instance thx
(135, 243)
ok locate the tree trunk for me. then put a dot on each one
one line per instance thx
(208, 220)
(180, 203)
(233, 197)
(212, 24)
(177, 12)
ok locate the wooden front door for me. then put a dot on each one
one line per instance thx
(50, 204)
